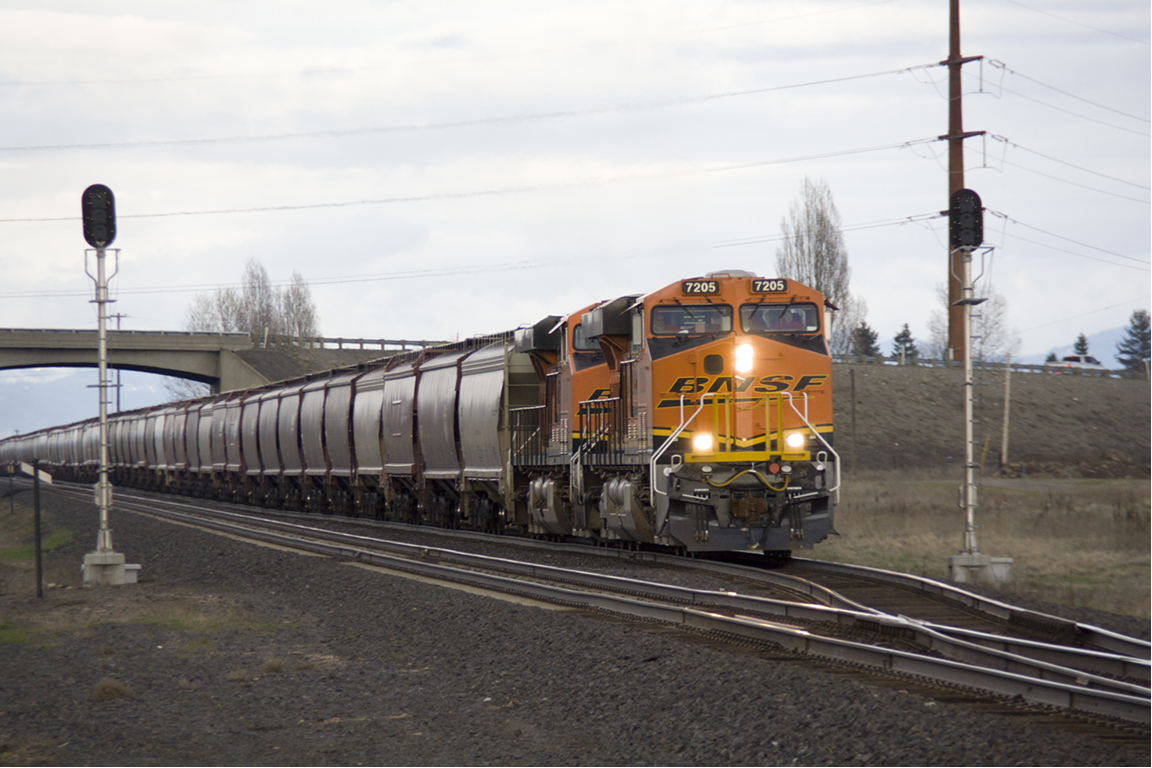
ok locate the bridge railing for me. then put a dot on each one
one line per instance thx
(324, 342)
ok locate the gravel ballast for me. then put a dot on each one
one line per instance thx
(232, 653)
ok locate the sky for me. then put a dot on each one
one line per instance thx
(437, 169)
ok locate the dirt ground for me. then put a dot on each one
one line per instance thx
(232, 654)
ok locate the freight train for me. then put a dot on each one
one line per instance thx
(697, 417)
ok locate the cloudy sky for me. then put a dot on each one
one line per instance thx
(439, 169)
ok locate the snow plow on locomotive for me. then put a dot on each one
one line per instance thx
(697, 417)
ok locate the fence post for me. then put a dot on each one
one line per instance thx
(36, 525)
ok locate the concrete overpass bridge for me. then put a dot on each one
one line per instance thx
(225, 361)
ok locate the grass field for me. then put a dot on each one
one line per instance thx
(1074, 542)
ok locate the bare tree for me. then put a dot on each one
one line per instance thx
(259, 303)
(992, 338)
(812, 251)
(852, 313)
(214, 312)
(298, 311)
(258, 309)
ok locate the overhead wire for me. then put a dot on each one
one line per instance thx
(847, 228)
(490, 192)
(1106, 124)
(454, 124)
(1143, 266)
(1066, 318)
(1074, 183)
(1077, 23)
(1001, 65)
(1011, 143)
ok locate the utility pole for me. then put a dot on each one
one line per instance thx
(957, 345)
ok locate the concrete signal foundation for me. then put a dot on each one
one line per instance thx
(108, 568)
(979, 569)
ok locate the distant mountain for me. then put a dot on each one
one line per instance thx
(43, 397)
(1101, 346)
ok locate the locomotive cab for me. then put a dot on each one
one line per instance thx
(718, 431)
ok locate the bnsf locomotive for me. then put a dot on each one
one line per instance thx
(697, 417)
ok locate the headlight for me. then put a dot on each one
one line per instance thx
(743, 360)
(702, 443)
(795, 440)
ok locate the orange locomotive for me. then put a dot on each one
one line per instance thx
(704, 423)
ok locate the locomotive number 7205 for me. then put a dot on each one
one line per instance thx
(777, 285)
(700, 286)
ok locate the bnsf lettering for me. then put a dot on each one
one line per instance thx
(773, 383)
(692, 385)
(688, 385)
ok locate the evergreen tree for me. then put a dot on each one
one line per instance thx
(904, 346)
(1136, 346)
(864, 341)
(1081, 345)
(1051, 358)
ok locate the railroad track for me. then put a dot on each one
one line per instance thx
(1088, 682)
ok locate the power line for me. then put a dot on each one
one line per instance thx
(1144, 266)
(1078, 23)
(485, 192)
(455, 124)
(1062, 162)
(848, 228)
(823, 155)
(1068, 239)
(1092, 312)
(332, 280)
(1001, 65)
(1073, 183)
(1068, 111)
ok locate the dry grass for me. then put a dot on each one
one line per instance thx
(1075, 542)
(238, 676)
(110, 688)
(272, 666)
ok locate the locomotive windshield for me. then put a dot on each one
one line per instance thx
(780, 318)
(691, 319)
(581, 344)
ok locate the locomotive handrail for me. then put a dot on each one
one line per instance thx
(519, 428)
(575, 461)
(671, 439)
(804, 417)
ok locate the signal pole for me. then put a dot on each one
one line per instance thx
(965, 234)
(105, 565)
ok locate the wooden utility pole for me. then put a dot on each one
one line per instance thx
(957, 347)
(1007, 401)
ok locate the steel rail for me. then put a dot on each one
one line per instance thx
(995, 672)
(1097, 637)
(1060, 663)
(975, 648)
